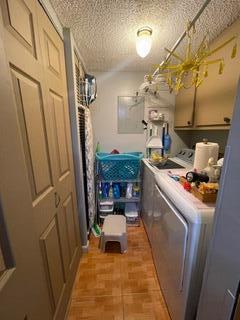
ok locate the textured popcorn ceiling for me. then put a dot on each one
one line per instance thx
(105, 30)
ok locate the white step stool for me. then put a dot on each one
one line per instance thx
(114, 229)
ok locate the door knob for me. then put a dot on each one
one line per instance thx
(57, 199)
(226, 119)
(189, 123)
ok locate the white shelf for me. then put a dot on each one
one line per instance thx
(133, 199)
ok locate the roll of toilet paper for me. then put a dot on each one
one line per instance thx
(204, 151)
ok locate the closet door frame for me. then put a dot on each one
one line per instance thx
(70, 53)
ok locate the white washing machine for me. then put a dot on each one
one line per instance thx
(180, 232)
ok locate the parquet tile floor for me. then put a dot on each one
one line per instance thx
(114, 286)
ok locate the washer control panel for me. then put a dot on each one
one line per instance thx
(186, 155)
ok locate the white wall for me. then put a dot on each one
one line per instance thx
(218, 136)
(104, 112)
(166, 105)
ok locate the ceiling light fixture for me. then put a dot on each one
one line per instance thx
(144, 41)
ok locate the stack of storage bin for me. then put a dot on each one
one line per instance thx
(118, 185)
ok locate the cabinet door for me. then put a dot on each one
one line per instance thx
(215, 96)
(184, 108)
(147, 199)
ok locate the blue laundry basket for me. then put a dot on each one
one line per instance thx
(122, 166)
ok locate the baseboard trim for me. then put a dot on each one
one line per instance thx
(85, 248)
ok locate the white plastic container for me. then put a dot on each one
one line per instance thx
(131, 210)
(106, 206)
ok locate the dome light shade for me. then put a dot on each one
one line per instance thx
(144, 41)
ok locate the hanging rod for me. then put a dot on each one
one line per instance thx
(192, 23)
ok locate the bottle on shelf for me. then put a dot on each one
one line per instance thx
(105, 190)
(116, 190)
(129, 190)
(123, 187)
(110, 193)
(100, 195)
(136, 190)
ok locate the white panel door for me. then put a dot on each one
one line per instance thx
(35, 71)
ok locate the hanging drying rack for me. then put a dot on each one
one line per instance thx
(191, 24)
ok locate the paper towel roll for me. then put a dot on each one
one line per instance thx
(204, 151)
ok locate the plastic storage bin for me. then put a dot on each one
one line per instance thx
(106, 206)
(131, 214)
(117, 167)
